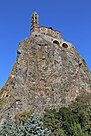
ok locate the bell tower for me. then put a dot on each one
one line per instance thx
(34, 21)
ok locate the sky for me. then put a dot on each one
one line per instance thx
(71, 17)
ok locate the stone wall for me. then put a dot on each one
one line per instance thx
(47, 31)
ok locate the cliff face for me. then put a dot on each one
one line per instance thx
(45, 75)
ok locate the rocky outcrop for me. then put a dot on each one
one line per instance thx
(45, 75)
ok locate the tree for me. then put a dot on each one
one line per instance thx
(32, 127)
(8, 128)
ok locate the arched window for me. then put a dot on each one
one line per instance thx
(56, 42)
(65, 45)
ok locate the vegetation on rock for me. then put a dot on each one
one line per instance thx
(74, 120)
(70, 121)
(32, 127)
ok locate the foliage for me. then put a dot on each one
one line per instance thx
(70, 121)
(32, 127)
(74, 120)
(7, 128)
(35, 127)
(23, 117)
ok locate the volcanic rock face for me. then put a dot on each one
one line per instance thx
(45, 75)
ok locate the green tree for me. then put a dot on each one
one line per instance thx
(52, 121)
(78, 131)
(8, 128)
(34, 127)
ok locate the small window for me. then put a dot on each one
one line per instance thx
(56, 42)
(64, 45)
(18, 52)
(35, 21)
(35, 17)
